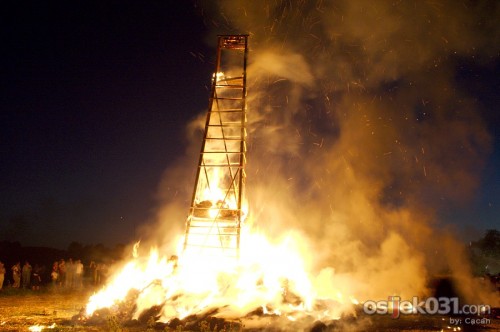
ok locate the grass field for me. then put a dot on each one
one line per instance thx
(20, 309)
(58, 310)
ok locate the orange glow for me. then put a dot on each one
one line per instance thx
(272, 276)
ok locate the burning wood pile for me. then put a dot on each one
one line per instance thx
(173, 292)
(212, 314)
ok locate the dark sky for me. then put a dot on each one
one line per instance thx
(95, 97)
(483, 212)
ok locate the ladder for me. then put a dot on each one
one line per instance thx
(217, 210)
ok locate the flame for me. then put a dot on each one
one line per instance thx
(271, 276)
(39, 328)
(219, 76)
(215, 195)
(136, 275)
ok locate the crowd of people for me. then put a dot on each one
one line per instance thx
(69, 274)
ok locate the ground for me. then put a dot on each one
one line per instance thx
(22, 309)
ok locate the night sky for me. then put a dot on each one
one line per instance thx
(95, 98)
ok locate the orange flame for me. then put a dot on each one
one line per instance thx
(270, 276)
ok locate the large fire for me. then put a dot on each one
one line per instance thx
(351, 98)
(268, 276)
(271, 276)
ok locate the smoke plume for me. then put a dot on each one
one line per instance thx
(359, 132)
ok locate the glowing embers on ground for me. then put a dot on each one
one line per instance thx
(268, 277)
(39, 328)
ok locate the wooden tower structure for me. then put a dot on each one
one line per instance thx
(213, 226)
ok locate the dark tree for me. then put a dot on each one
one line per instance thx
(75, 250)
(489, 244)
(485, 253)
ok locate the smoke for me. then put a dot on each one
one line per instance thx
(359, 132)
(358, 135)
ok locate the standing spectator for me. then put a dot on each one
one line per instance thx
(37, 277)
(100, 271)
(16, 275)
(62, 272)
(78, 274)
(54, 275)
(93, 272)
(70, 273)
(26, 274)
(2, 274)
